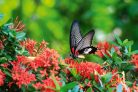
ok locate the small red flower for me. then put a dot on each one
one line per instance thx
(29, 45)
(2, 78)
(103, 47)
(71, 62)
(134, 60)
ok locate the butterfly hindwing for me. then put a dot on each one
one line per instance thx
(85, 41)
(87, 50)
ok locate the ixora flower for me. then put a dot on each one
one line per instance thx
(43, 62)
(104, 47)
(85, 69)
(20, 74)
(2, 78)
(29, 45)
(120, 80)
(134, 60)
(48, 59)
(33, 47)
(47, 85)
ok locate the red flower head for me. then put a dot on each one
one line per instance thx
(135, 61)
(47, 86)
(20, 74)
(33, 48)
(104, 47)
(71, 62)
(30, 46)
(49, 57)
(85, 69)
(2, 78)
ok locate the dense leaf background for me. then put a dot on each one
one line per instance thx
(51, 19)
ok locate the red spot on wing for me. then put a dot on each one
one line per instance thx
(73, 50)
(76, 53)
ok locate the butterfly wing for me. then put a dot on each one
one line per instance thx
(86, 40)
(84, 46)
(75, 36)
(87, 50)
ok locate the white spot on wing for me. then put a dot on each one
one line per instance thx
(87, 50)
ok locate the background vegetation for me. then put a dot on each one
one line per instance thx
(50, 20)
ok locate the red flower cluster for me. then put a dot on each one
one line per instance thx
(33, 48)
(20, 74)
(135, 61)
(85, 69)
(45, 63)
(2, 78)
(48, 60)
(48, 85)
(29, 45)
(104, 47)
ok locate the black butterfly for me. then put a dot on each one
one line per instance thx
(80, 45)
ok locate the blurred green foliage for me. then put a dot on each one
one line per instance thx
(51, 19)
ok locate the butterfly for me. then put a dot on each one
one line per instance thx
(79, 45)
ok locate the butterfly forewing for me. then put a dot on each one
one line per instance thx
(85, 41)
(75, 36)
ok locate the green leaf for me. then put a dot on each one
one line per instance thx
(118, 60)
(129, 67)
(73, 72)
(3, 60)
(118, 40)
(23, 88)
(134, 52)
(68, 86)
(12, 33)
(129, 83)
(106, 78)
(114, 55)
(127, 43)
(119, 88)
(20, 36)
(112, 51)
(7, 73)
(89, 90)
(114, 43)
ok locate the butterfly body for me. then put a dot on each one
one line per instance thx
(80, 45)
